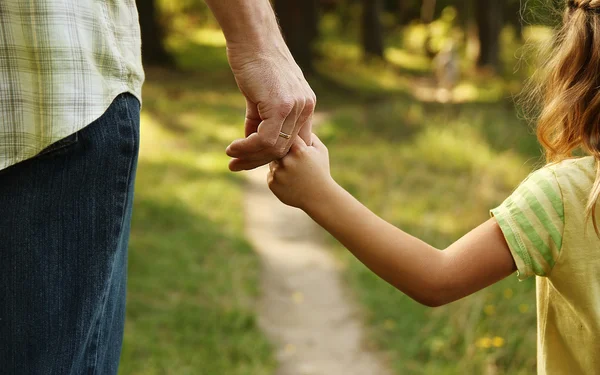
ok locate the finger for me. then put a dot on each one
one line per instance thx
(253, 119)
(298, 144)
(262, 158)
(265, 137)
(238, 165)
(306, 132)
(290, 127)
(240, 147)
(317, 143)
(273, 165)
(270, 179)
(307, 116)
(266, 154)
(283, 144)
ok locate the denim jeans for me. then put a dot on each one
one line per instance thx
(64, 227)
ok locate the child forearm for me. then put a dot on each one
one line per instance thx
(404, 261)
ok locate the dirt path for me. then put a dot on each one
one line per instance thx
(304, 309)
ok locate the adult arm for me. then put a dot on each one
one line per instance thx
(278, 98)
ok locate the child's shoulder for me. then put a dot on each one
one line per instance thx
(574, 177)
(569, 177)
(582, 168)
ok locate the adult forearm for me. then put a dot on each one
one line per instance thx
(402, 260)
(251, 22)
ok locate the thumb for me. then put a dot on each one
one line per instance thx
(306, 132)
(317, 143)
(253, 118)
(299, 144)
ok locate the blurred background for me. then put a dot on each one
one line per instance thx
(416, 102)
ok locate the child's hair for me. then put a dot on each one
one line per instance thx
(570, 91)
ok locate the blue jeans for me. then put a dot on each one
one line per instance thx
(64, 227)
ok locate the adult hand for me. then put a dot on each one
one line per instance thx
(278, 100)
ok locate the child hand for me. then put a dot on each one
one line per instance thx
(302, 177)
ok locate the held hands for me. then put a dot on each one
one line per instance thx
(278, 99)
(302, 178)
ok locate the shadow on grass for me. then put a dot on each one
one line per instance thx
(192, 279)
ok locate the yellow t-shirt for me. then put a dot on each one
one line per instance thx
(545, 227)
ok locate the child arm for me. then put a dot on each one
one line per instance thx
(428, 275)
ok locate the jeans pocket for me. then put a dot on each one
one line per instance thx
(59, 146)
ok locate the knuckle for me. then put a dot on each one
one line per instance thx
(285, 107)
(312, 98)
(309, 108)
(302, 152)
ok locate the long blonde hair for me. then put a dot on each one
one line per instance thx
(570, 92)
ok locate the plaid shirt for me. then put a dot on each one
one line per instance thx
(62, 62)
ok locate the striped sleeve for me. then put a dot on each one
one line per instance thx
(532, 221)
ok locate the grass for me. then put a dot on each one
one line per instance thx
(193, 277)
(433, 170)
(435, 174)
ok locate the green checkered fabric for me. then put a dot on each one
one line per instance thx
(62, 62)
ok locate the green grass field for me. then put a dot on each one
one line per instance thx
(192, 275)
(434, 170)
(435, 175)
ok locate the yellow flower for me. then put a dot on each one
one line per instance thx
(298, 298)
(489, 309)
(484, 342)
(508, 293)
(498, 342)
(523, 308)
(437, 345)
(389, 325)
(290, 349)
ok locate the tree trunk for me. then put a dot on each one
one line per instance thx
(488, 14)
(299, 23)
(428, 11)
(154, 52)
(401, 14)
(345, 14)
(406, 12)
(372, 30)
(515, 18)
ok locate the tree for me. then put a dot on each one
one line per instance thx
(154, 52)
(489, 18)
(372, 30)
(515, 17)
(299, 23)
